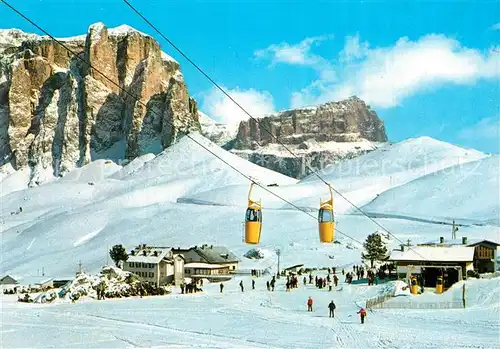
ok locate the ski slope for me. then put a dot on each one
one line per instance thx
(467, 193)
(253, 319)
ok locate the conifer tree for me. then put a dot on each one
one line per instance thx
(375, 249)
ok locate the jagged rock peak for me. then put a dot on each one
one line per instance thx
(318, 136)
(57, 113)
(344, 121)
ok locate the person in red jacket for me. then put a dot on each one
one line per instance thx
(362, 314)
(310, 304)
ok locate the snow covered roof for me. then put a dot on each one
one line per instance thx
(204, 266)
(34, 280)
(216, 254)
(434, 254)
(148, 254)
(455, 242)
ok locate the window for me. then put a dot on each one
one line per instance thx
(151, 275)
(233, 267)
(253, 215)
(325, 216)
(131, 264)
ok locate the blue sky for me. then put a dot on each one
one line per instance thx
(426, 67)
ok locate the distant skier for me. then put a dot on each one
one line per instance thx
(241, 285)
(182, 288)
(335, 280)
(362, 314)
(305, 281)
(221, 287)
(332, 307)
(253, 284)
(310, 304)
(268, 286)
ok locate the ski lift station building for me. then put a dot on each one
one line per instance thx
(451, 259)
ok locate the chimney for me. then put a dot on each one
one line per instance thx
(402, 248)
(132, 253)
(464, 240)
(144, 253)
(211, 246)
(441, 240)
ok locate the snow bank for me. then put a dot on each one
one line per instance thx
(115, 281)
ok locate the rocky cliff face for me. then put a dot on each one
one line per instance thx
(57, 113)
(319, 136)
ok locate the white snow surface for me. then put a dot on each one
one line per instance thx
(212, 129)
(255, 319)
(185, 197)
(469, 192)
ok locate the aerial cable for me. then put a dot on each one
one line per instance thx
(253, 118)
(76, 55)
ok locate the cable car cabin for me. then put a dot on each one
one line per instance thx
(439, 285)
(253, 220)
(326, 220)
(413, 285)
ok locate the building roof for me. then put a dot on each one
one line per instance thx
(35, 280)
(484, 241)
(7, 278)
(434, 254)
(215, 254)
(203, 266)
(294, 266)
(146, 254)
(456, 242)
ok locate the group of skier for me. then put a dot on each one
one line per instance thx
(332, 306)
(292, 282)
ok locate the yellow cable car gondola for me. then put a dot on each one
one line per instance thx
(413, 285)
(253, 220)
(439, 285)
(326, 220)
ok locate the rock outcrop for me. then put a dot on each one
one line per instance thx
(318, 136)
(56, 112)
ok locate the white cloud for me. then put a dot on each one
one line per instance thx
(385, 76)
(487, 129)
(293, 54)
(222, 109)
(353, 49)
(300, 54)
(496, 26)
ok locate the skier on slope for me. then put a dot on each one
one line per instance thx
(362, 314)
(241, 285)
(253, 284)
(310, 304)
(221, 287)
(332, 307)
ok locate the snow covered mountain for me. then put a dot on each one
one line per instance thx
(360, 179)
(218, 133)
(466, 193)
